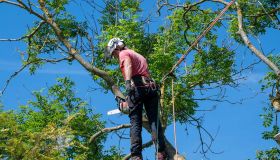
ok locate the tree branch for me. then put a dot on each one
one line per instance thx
(249, 44)
(26, 36)
(47, 17)
(105, 130)
(73, 52)
(162, 3)
(220, 1)
(198, 124)
(30, 10)
(26, 65)
(146, 145)
(12, 3)
(272, 12)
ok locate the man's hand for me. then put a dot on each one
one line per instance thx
(124, 108)
(128, 87)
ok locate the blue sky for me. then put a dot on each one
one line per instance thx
(239, 125)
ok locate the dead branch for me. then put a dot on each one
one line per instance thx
(205, 147)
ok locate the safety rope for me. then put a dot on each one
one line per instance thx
(158, 115)
(198, 39)
(174, 117)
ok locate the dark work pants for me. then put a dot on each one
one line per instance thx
(149, 97)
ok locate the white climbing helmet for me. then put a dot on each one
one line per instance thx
(114, 43)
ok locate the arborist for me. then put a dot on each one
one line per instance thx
(141, 89)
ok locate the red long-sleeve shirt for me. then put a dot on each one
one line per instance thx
(138, 62)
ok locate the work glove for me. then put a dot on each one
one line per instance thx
(124, 108)
(122, 104)
(128, 86)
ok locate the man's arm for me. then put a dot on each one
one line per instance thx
(128, 74)
(127, 68)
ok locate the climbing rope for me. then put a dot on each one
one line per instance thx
(197, 40)
(158, 115)
(174, 117)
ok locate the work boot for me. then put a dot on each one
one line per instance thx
(161, 156)
(136, 158)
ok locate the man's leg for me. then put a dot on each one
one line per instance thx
(135, 116)
(151, 107)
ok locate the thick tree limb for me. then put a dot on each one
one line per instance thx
(105, 130)
(249, 44)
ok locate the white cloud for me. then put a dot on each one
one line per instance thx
(12, 66)
(9, 64)
(252, 78)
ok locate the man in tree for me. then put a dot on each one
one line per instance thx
(141, 89)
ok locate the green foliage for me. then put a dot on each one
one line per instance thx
(120, 20)
(1, 107)
(268, 119)
(213, 66)
(44, 42)
(114, 153)
(56, 6)
(255, 18)
(58, 118)
(270, 80)
(211, 63)
(162, 50)
(272, 154)
(57, 125)
(114, 10)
